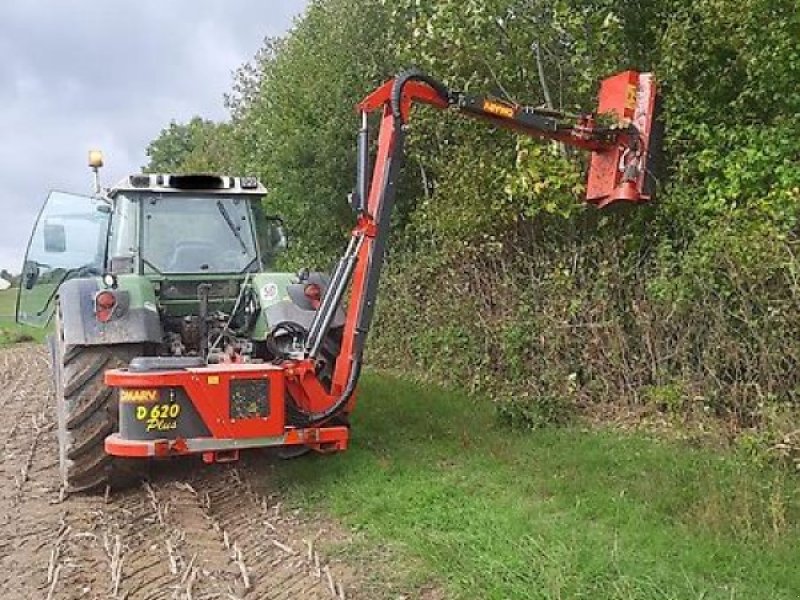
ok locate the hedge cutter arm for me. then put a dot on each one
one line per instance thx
(618, 172)
(228, 407)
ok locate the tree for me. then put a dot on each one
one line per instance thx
(12, 279)
(297, 131)
(194, 147)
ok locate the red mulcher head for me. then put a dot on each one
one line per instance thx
(625, 172)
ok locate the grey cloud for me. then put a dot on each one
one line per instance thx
(76, 75)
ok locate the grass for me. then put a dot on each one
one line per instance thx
(559, 513)
(8, 303)
(10, 331)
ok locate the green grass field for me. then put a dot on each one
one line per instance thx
(560, 513)
(10, 332)
(8, 301)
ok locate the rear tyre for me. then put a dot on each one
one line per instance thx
(87, 411)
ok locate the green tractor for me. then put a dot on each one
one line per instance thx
(179, 267)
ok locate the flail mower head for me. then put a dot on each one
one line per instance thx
(626, 171)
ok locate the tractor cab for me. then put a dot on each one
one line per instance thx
(191, 224)
(157, 226)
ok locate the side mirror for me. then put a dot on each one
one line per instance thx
(55, 238)
(30, 275)
(275, 237)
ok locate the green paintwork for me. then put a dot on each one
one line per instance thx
(187, 305)
(140, 290)
(259, 281)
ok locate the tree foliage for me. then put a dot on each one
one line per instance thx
(199, 146)
(294, 117)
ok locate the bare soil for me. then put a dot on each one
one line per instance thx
(191, 532)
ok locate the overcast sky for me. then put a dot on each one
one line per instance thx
(77, 74)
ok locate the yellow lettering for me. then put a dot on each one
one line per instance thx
(161, 417)
(138, 396)
(630, 101)
(161, 425)
(498, 109)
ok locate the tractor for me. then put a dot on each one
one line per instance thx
(172, 268)
(173, 334)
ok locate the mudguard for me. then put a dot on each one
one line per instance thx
(289, 311)
(137, 320)
(282, 298)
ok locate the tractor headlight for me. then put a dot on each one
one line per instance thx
(248, 183)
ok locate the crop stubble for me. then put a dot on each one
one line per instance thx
(191, 532)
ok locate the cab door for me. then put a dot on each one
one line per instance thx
(68, 241)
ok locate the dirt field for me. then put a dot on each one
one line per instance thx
(192, 532)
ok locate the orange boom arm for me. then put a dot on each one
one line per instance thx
(618, 172)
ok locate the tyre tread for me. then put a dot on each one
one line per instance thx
(91, 414)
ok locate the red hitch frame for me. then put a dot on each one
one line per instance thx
(215, 411)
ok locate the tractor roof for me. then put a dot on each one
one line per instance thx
(181, 184)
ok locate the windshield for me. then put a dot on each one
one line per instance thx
(201, 234)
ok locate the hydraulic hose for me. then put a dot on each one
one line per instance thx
(376, 255)
(415, 74)
(347, 393)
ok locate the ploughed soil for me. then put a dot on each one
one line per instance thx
(191, 531)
